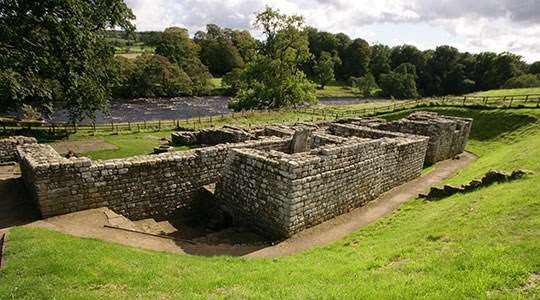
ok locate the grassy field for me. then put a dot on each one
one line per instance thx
(337, 89)
(131, 143)
(484, 244)
(508, 92)
(135, 49)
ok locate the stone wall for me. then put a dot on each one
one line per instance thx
(136, 187)
(260, 181)
(211, 136)
(447, 135)
(8, 147)
(280, 194)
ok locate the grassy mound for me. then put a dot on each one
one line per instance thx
(481, 244)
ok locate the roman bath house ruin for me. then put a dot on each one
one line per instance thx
(275, 180)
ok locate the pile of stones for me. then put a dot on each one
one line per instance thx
(491, 177)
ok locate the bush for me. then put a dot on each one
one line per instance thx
(523, 81)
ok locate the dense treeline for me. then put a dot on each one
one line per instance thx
(400, 72)
(63, 52)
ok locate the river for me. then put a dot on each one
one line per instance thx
(146, 109)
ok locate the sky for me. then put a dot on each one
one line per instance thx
(469, 25)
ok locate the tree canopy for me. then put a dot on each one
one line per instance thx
(274, 78)
(54, 51)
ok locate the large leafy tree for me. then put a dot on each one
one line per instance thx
(54, 51)
(274, 78)
(218, 51)
(179, 49)
(534, 68)
(355, 59)
(324, 68)
(380, 61)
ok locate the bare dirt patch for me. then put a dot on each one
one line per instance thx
(129, 55)
(88, 145)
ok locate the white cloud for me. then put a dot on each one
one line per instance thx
(479, 25)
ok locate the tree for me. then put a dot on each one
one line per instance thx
(534, 68)
(274, 79)
(244, 42)
(380, 61)
(156, 76)
(356, 59)
(523, 81)
(398, 85)
(366, 84)
(218, 52)
(179, 49)
(324, 68)
(54, 52)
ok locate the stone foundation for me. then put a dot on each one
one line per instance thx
(265, 181)
(138, 187)
(447, 135)
(280, 194)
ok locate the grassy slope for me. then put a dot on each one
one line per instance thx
(480, 244)
(508, 92)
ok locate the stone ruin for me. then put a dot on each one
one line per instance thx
(276, 180)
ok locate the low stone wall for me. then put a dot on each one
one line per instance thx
(280, 194)
(8, 147)
(136, 187)
(211, 137)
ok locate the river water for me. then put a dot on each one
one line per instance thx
(146, 109)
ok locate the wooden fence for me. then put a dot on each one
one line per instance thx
(318, 113)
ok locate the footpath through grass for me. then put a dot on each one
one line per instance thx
(476, 245)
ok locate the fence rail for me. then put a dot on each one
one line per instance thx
(318, 113)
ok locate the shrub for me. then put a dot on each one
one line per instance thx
(523, 81)
(398, 85)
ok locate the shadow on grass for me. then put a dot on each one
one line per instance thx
(487, 124)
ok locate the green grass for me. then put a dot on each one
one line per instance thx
(338, 89)
(508, 92)
(131, 142)
(135, 49)
(476, 245)
(217, 82)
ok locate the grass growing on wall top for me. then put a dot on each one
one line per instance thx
(476, 245)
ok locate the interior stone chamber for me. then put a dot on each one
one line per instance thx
(276, 180)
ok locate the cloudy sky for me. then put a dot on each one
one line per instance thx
(469, 25)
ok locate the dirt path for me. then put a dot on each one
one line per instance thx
(82, 146)
(343, 225)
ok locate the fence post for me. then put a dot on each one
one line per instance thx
(159, 125)
(538, 102)
(511, 100)
(464, 99)
(526, 98)
(112, 126)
